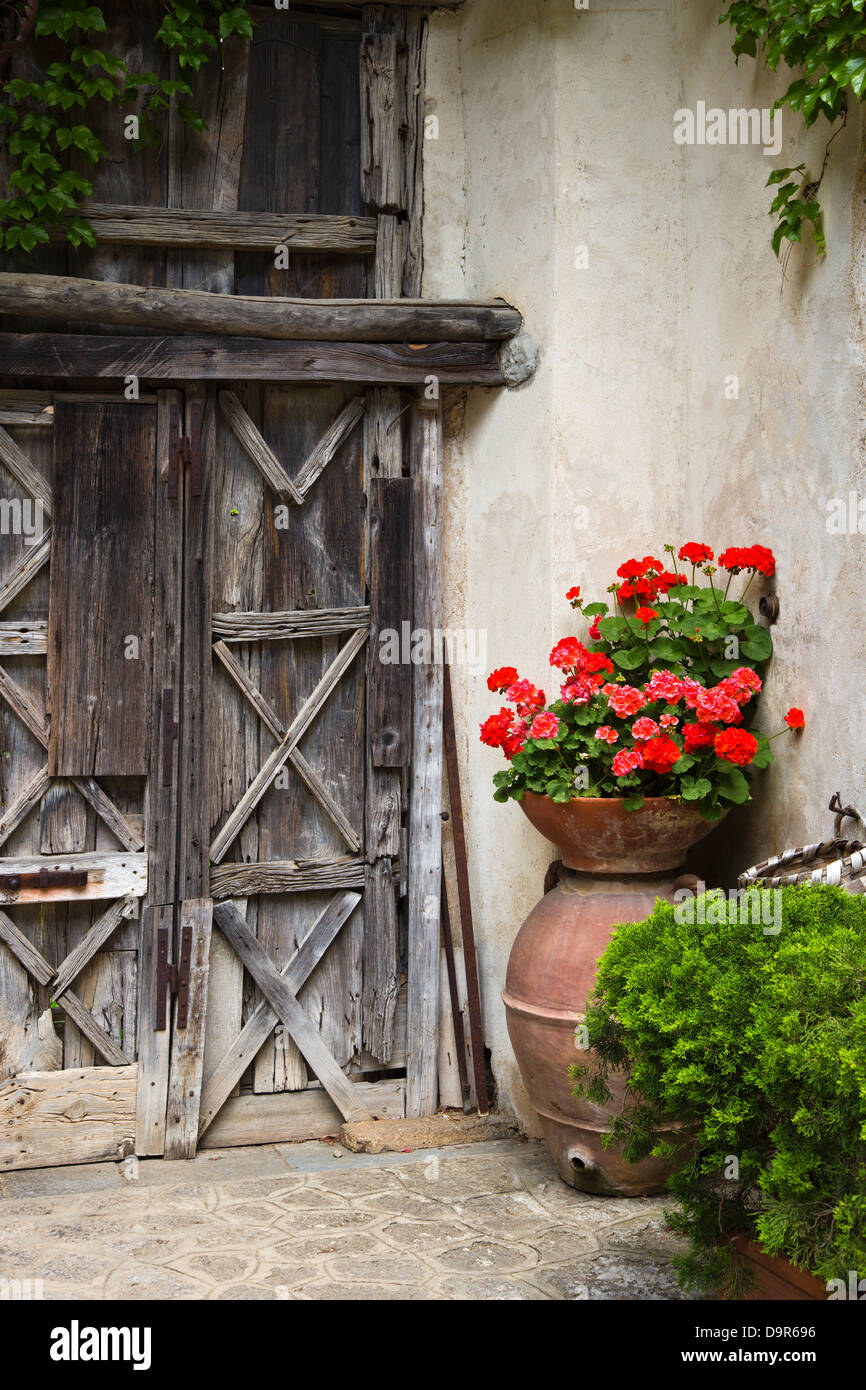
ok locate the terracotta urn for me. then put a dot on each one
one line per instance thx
(615, 864)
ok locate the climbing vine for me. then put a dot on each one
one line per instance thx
(825, 45)
(44, 124)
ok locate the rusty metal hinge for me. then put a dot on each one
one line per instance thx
(172, 979)
(184, 449)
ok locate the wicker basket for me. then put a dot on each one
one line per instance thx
(838, 861)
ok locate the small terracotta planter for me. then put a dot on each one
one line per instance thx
(776, 1278)
(596, 835)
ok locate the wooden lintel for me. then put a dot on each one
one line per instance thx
(228, 230)
(256, 316)
(202, 358)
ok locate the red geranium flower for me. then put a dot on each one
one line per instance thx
(496, 729)
(605, 734)
(697, 736)
(595, 631)
(646, 615)
(751, 557)
(660, 754)
(502, 678)
(573, 593)
(795, 718)
(544, 726)
(626, 761)
(567, 653)
(736, 746)
(695, 553)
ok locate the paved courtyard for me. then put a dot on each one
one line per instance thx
(311, 1221)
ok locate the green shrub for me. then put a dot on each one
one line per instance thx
(756, 1040)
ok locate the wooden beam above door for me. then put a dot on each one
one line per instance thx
(131, 225)
(203, 358)
(260, 316)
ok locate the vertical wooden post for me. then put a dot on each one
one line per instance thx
(425, 805)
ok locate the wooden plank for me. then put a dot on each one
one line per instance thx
(381, 185)
(285, 876)
(191, 358)
(18, 464)
(287, 1117)
(53, 1118)
(256, 447)
(105, 470)
(23, 638)
(257, 316)
(425, 824)
(111, 875)
(29, 796)
(105, 808)
(390, 694)
(25, 953)
(187, 1047)
(228, 230)
(303, 719)
(27, 568)
(328, 445)
(86, 1024)
(296, 759)
(22, 702)
(286, 1006)
(263, 1020)
(195, 733)
(153, 1048)
(284, 626)
(381, 972)
(95, 938)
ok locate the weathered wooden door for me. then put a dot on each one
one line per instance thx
(83, 584)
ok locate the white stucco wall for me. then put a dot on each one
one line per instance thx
(555, 131)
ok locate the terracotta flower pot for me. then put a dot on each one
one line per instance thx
(598, 836)
(553, 965)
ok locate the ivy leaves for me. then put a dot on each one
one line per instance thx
(44, 126)
(825, 41)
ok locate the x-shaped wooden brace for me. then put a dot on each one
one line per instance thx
(281, 1004)
(31, 480)
(58, 982)
(288, 742)
(256, 446)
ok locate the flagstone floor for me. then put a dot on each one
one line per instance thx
(309, 1222)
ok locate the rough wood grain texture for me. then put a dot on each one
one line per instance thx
(290, 1117)
(52, 1118)
(204, 169)
(24, 705)
(187, 1045)
(25, 953)
(381, 184)
(94, 940)
(227, 230)
(239, 503)
(110, 875)
(62, 819)
(284, 626)
(263, 1020)
(195, 750)
(285, 876)
(296, 759)
(26, 569)
(18, 464)
(82, 1016)
(24, 638)
(197, 311)
(192, 358)
(19, 808)
(256, 447)
(105, 469)
(153, 1048)
(299, 725)
(286, 1006)
(19, 1002)
(390, 695)
(414, 88)
(128, 835)
(425, 825)
(381, 972)
(331, 440)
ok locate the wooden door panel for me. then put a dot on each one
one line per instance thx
(100, 613)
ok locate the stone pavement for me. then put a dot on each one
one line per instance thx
(308, 1221)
